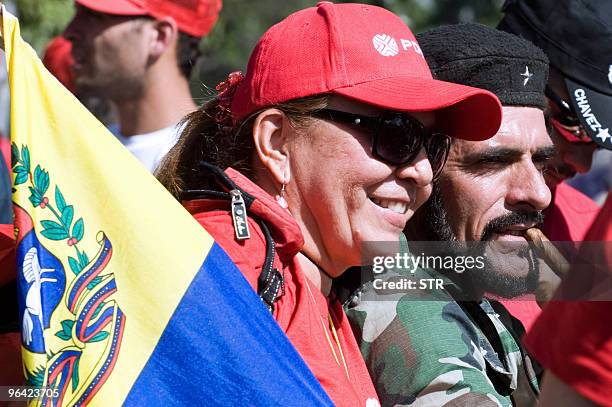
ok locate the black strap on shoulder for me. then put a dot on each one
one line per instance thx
(532, 367)
(500, 381)
(270, 283)
(350, 283)
(222, 180)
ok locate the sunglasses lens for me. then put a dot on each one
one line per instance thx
(569, 121)
(568, 134)
(396, 138)
(565, 114)
(403, 138)
(399, 139)
(437, 147)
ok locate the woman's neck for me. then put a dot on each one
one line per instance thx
(315, 274)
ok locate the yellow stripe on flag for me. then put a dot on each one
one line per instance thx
(78, 187)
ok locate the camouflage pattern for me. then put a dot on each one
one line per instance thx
(423, 349)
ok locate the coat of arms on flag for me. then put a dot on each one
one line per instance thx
(91, 321)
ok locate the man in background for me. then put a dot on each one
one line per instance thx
(57, 58)
(139, 54)
(577, 38)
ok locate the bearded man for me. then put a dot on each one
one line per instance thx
(453, 345)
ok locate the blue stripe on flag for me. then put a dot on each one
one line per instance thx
(222, 347)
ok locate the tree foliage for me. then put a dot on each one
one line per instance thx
(242, 22)
(42, 20)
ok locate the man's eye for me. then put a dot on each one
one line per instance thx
(492, 162)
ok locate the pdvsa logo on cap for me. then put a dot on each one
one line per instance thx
(387, 46)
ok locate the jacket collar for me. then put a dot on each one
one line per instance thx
(288, 238)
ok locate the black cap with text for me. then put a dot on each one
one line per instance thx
(577, 37)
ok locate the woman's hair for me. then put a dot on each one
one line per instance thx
(210, 135)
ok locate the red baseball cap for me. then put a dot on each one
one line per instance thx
(365, 53)
(193, 17)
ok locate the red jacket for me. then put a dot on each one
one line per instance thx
(573, 339)
(302, 312)
(567, 219)
(570, 215)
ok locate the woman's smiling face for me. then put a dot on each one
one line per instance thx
(343, 196)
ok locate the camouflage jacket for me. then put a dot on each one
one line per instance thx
(423, 348)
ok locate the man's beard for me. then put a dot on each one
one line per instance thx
(116, 89)
(431, 223)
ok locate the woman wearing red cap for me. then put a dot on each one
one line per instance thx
(321, 156)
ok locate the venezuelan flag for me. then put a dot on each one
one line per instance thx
(125, 299)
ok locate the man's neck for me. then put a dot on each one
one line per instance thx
(163, 103)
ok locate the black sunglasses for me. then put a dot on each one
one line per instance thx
(397, 138)
(568, 119)
(566, 116)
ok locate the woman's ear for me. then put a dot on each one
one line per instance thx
(270, 135)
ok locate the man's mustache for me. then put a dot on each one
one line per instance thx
(502, 223)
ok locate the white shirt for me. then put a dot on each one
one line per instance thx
(150, 148)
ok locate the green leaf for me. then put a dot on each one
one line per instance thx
(55, 234)
(67, 325)
(49, 224)
(100, 336)
(98, 310)
(67, 216)
(62, 335)
(21, 178)
(74, 265)
(41, 180)
(78, 230)
(35, 199)
(59, 199)
(94, 283)
(83, 259)
(37, 172)
(66, 332)
(75, 375)
(19, 169)
(44, 182)
(25, 157)
(37, 377)
(14, 154)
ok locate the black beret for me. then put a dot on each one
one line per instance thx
(512, 68)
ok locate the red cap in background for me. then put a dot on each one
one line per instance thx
(193, 17)
(365, 53)
(58, 60)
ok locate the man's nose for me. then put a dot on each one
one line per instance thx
(528, 190)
